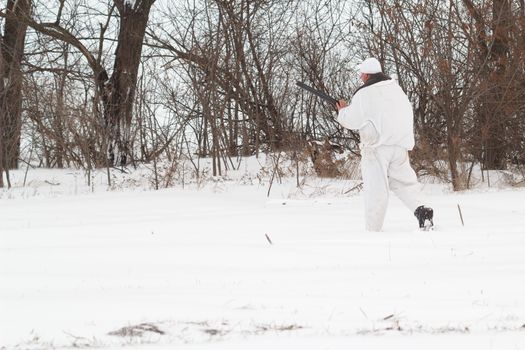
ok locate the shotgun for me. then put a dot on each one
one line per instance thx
(318, 93)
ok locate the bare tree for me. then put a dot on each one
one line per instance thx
(240, 44)
(2, 151)
(493, 46)
(249, 54)
(11, 88)
(119, 92)
(116, 92)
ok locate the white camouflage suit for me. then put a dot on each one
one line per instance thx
(383, 115)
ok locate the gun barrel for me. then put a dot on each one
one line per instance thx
(318, 93)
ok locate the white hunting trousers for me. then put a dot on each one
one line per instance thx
(387, 168)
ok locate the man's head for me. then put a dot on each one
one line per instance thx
(368, 67)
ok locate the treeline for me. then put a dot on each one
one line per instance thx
(109, 83)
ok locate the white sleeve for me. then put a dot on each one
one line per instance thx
(368, 134)
(352, 116)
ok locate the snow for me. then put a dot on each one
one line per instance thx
(79, 262)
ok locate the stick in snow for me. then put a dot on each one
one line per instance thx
(268, 238)
(461, 215)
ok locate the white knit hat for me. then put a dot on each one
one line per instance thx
(370, 66)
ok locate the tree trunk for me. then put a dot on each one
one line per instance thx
(1, 125)
(495, 148)
(453, 141)
(59, 116)
(11, 89)
(494, 50)
(120, 90)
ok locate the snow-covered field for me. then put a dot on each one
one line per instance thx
(223, 266)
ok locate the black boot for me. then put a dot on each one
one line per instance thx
(425, 216)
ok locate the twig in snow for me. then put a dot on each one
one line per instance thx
(461, 215)
(357, 187)
(268, 238)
